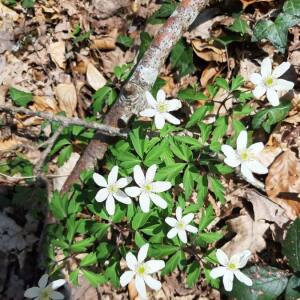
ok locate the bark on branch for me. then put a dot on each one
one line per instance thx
(132, 100)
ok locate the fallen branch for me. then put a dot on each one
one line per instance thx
(132, 100)
(65, 121)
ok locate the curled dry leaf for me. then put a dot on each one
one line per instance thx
(95, 79)
(283, 183)
(57, 53)
(107, 42)
(209, 52)
(67, 98)
(248, 2)
(211, 71)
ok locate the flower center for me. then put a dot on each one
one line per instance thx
(148, 187)
(162, 107)
(45, 294)
(244, 155)
(269, 81)
(232, 266)
(141, 270)
(113, 188)
(180, 225)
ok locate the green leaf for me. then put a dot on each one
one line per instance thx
(188, 182)
(170, 172)
(139, 240)
(59, 206)
(268, 284)
(182, 151)
(202, 189)
(292, 7)
(291, 245)
(160, 251)
(137, 141)
(104, 95)
(61, 143)
(139, 220)
(193, 273)
(209, 237)
(207, 217)
(104, 250)
(292, 291)
(125, 40)
(82, 245)
(163, 12)
(112, 274)
(172, 263)
(146, 40)
(221, 82)
(191, 94)
(223, 169)
(93, 278)
(237, 82)
(74, 277)
(89, 260)
(198, 115)
(71, 227)
(64, 155)
(217, 188)
(19, 97)
(28, 3)
(239, 25)
(270, 116)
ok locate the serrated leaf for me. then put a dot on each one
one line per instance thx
(89, 260)
(59, 206)
(19, 97)
(82, 245)
(191, 94)
(160, 251)
(64, 155)
(188, 182)
(125, 40)
(291, 245)
(137, 141)
(193, 273)
(162, 13)
(239, 25)
(221, 82)
(217, 188)
(198, 115)
(139, 220)
(170, 172)
(111, 273)
(93, 278)
(172, 263)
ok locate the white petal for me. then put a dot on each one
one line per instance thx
(131, 261)
(247, 173)
(281, 69)
(150, 174)
(102, 195)
(154, 266)
(149, 112)
(222, 257)
(266, 67)
(141, 287)
(152, 283)
(171, 221)
(57, 283)
(243, 278)
(256, 148)
(126, 277)
(158, 200)
(272, 97)
(144, 201)
(232, 162)
(188, 218)
(110, 205)
(283, 85)
(150, 99)
(133, 191)
(217, 272)
(228, 280)
(43, 281)
(243, 258)
(159, 121)
(99, 180)
(32, 292)
(122, 182)
(161, 186)
(228, 151)
(139, 176)
(56, 295)
(161, 96)
(172, 233)
(122, 197)
(171, 119)
(143, 253)
(191, 228)
(256, 167)
(173, 104)
(241, 142)
(178, 213)
(113, 175)
(182, 236)
(259, 91)
(256, 78)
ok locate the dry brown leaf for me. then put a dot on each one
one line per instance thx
(209, 52)
(67, 98)
(95, 79)
(107, 42)
(248, 2)
(211, 71)
(8, 13)
(283, 183)
(57, 53)
(44, 103)
(249, 235)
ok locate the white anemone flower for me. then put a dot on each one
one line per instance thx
(246, 157)
(44, 291)
(180, 225)
(141, 271)
(268, 81)
(147, 189)
(111, 189)
(160, 108)
(230, 268)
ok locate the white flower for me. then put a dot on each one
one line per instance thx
(230, 268)
(147, 188)
(112, 189)
(160, 109)
(180, 225)
(246, 157)
(269, 82)
(141, 271)
(44, 291)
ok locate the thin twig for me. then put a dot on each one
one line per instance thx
(66, 121)
(17, 178)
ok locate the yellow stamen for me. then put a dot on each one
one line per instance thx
(231, 266)
(180, 225)
(141, 270)
(162, 107)
(269, 81)
(148, 187)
